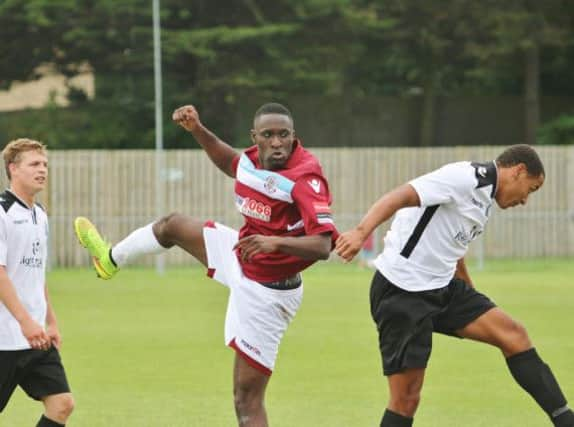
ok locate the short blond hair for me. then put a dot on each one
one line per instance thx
(12, 153)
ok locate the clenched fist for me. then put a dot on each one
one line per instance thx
(187, 117)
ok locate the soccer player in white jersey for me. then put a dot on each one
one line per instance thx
(422, 285)
(29, 335)
(284, 198)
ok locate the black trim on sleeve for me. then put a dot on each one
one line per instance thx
(418, 231)
(7, 199)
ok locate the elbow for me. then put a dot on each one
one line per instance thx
(324, 255)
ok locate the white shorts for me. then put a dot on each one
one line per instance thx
(257, 316)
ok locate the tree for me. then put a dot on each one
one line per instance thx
(514, 33)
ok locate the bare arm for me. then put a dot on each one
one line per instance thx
(462, 273)
(33, 332)
(350, 243)
(313, 247)
(52, 323)
(220, 153)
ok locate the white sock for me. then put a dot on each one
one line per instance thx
(140, 242)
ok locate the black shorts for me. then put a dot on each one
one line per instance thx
(39, 373)
(406, 320)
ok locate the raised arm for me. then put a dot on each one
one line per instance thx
(349, 243)
(220, 153)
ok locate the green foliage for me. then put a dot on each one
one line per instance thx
(228, 54)
(559, 131)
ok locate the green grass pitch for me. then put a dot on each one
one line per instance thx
(143, 350)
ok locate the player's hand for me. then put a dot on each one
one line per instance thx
(187, 117)
(54, 335)
(252, 245)
(35, 334)
(349, 244)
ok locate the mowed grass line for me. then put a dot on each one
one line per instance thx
(144, 350)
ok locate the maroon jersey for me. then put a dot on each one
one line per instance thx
(294, 201)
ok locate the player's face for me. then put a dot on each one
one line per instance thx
(274, 136)
(517, 187)
(30, 174)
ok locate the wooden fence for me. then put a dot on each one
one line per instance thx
(117, 190)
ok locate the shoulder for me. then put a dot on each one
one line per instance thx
(7, 199)
(303, 163)
(485, 174)
(459, 174)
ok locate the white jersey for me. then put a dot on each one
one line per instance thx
(424, 243)
(23, 252)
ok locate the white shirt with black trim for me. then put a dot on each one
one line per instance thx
(424, 243)
(23, 252)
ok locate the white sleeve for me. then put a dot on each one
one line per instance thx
(3, 239)
(443, 185)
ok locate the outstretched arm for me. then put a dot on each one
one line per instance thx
(220, 153)
(313, 247)
(350, 243)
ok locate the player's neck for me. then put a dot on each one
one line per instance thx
(25, 196)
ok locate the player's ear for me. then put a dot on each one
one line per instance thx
(521, 169)
(252, 135)
(11, 167)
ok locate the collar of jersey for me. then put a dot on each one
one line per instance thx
(19, 200)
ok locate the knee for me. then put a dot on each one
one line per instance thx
(246, 398)
(61, 407)
(166, 228)
(406, 403)
(516, 339)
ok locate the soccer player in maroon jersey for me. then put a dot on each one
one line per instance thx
(284, 197)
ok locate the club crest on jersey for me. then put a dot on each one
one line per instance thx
(270, 184)
(253, 208)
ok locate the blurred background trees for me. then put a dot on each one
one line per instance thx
(354, 72)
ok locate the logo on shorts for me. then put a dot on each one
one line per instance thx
(250, 347)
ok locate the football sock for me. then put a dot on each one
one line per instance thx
(140, 242)
(392, 419)
(535, 376)
(47, 422)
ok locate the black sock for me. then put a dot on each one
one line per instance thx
(535, 376)
(392, 419)
(565, 419)
(47, 422)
